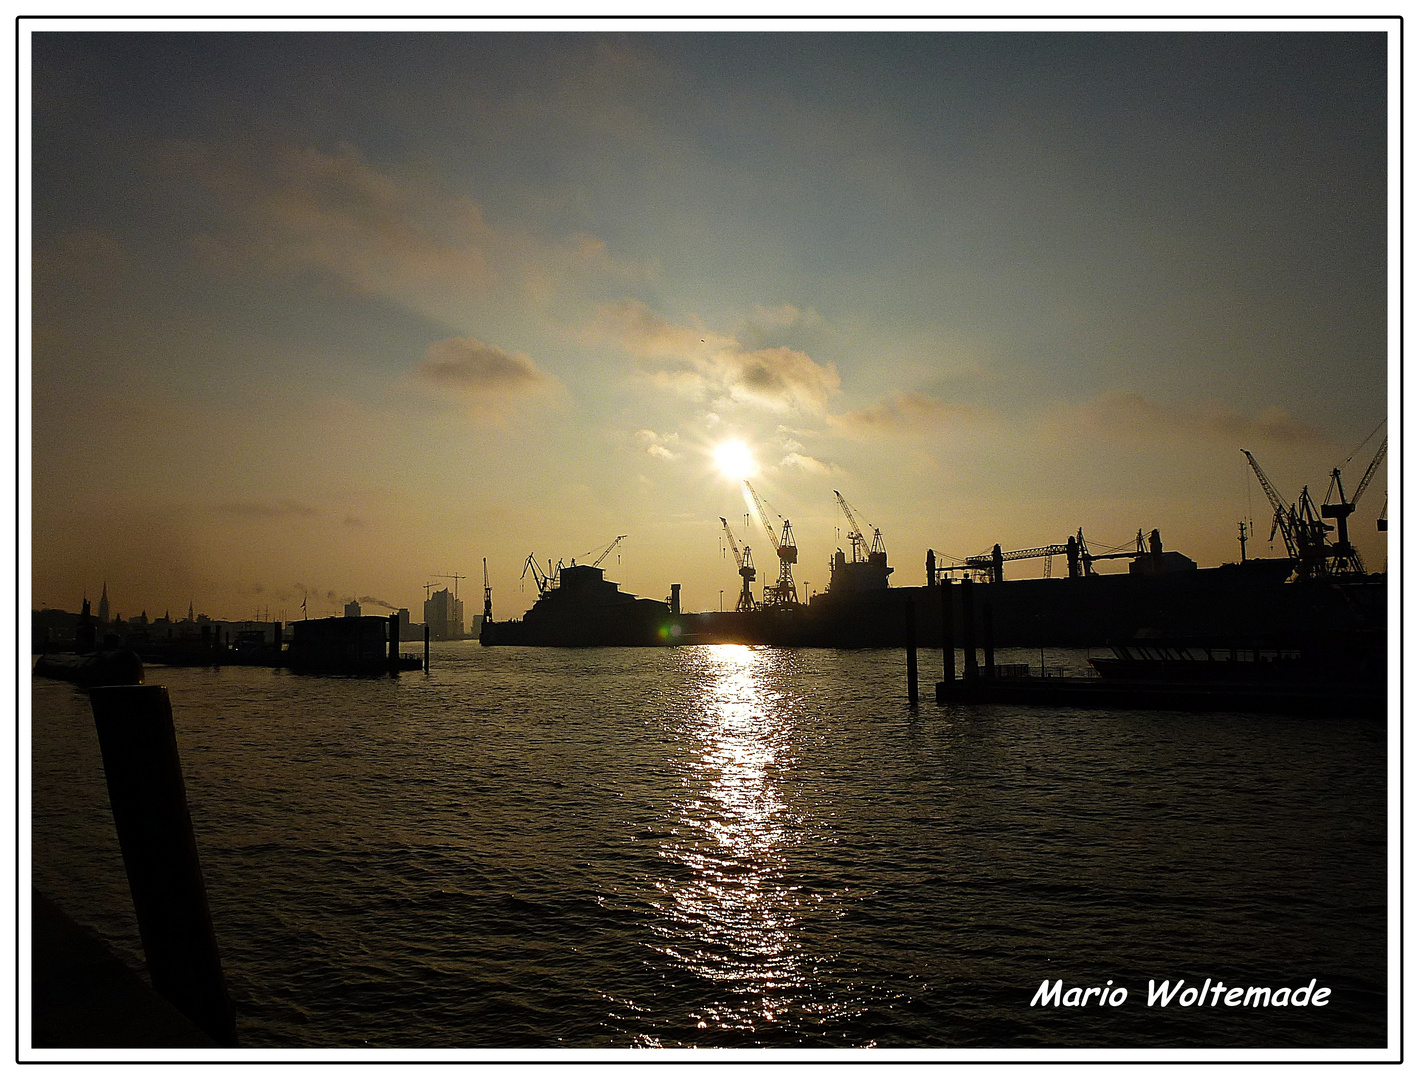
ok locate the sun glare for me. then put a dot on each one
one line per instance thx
(734, 460)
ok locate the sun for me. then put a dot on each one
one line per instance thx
(734, 460)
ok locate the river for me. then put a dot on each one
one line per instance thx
(733, 846)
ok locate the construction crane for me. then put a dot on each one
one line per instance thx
(544, 582)
(1343, 558)
(429, 586)
(782, 593)
(609, 548)
(745, 561)
(456, 578)
(487, 595)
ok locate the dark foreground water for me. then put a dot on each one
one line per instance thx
(733, 846)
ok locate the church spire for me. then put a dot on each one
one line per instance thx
(103, 604)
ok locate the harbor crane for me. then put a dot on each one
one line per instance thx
(544, 582)
(745, 562)
(782, 593)
(1343, 556)
(1081, 562)
(1301, 527)
(860, 551)
(855, 538)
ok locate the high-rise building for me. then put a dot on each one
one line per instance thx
(443, 614)
(352, 609)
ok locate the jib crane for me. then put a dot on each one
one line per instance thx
(487, 595)
(544, 581)
(745, 562)
(1281, 517)
(782, 593)
(609, 548)
(1300, 525)
(856, 538)
(1343, 556)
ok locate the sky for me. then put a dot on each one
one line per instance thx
(331, 315)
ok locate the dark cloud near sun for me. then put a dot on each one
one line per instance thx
(490, 380)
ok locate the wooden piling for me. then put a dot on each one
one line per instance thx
(987, 616)
(968, 632)
(948, 636)
(150, 814)
(911, 651)
(426, 648)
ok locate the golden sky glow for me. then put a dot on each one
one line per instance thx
(327, 314)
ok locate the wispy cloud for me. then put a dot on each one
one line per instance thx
(689, 358)
(397, 234)
(910, 413)
(1126, 415)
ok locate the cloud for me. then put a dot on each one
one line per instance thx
(1127, 415)
(489, 379)
(396, 234)
(785, 317)
(654, 444)
(280, 508)
(805, 463)
(690, 359)
(909, 413)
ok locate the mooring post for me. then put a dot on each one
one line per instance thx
(948, 643)
(426, 648)
(968, 632)
(987, 616)
(911, 651)
(394, 643)
(150, 814)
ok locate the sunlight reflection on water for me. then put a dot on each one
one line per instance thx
(731, 916)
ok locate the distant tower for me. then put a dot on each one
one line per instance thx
(103, 604)
(352, 609)
(189, 611)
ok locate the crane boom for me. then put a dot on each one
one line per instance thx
(609, 548)
(1282, 517)
(733, 546)
(763, 516)
(855, 538)
(1370, 472)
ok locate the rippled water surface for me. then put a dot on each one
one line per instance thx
(736, 846)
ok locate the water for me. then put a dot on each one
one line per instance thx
(740, 847)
